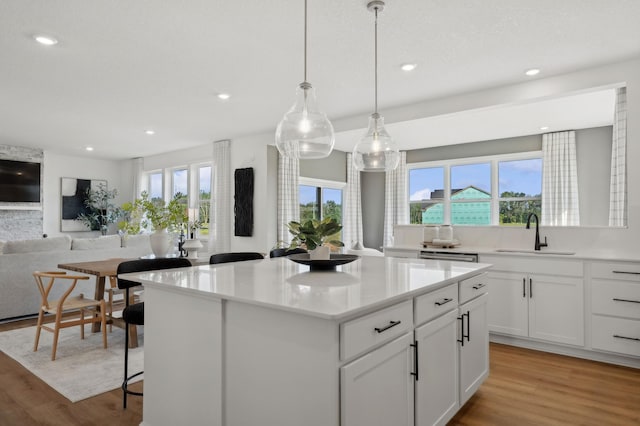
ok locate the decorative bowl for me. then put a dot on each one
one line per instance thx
(325, 264)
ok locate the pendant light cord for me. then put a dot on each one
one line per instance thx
(375, 43)
(305, 41)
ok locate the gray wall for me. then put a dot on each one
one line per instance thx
(334, 167)
(372, 198)
(593, 152)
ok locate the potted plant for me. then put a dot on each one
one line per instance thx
(155, 215)
(100, 210)
(317, 236)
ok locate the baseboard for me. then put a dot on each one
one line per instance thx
(593, 355)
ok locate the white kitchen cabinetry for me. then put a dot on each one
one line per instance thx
(615, 307)
(365, 401)
(537, 298)
(474, 346)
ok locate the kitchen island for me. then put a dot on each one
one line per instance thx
(270, 343)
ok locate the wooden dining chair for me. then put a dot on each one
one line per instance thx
(69, 310)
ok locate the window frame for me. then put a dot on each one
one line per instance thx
(493, 160)
(322, 183)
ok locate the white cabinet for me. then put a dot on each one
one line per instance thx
(536, 298)
(615, 307)
(437, 384)
(377, 388)
(474, 346)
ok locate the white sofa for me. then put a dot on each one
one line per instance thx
(19, 295)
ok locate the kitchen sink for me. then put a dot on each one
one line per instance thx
(563, 253)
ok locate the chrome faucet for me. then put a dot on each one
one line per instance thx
(538, 244)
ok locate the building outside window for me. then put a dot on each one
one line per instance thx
(500, 190)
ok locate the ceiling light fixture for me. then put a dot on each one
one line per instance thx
(408, 67)
(305, 132)
(89, 148)
(45, 39)
(544, 128)
(150, 132)
(532, 72)
(376, 151)
(224, 96)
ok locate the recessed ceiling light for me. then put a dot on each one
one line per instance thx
(224, 96)
(532, 72)
(89, 148)
(45, 39)
(150, 132)
(544, 128)
(408, 67)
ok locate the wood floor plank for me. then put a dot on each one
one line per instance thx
(524, 388)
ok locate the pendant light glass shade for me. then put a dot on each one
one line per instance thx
(305, 132)
(376, 151)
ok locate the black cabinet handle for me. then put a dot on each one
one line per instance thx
(415, 360)
(461, 339)
(615, 299)
(468, 336)
(530, 288)
(524, 287)
(626, 272)
(477, 287)
(444, 301)
(626, 338)
(386, 327)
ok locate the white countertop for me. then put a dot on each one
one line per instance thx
(363, 285)
(581, 254)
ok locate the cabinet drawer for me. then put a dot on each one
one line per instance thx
(615, 335)
(616, 270)
(619, 298)
(360, 334)
(436, 303)
(472, 287)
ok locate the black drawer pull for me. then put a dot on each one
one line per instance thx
(477, 287)
(626, 272)
(626, 338)
(385, 328)
(524, 288)
(444, 301)
(615, 299)
(415, 360)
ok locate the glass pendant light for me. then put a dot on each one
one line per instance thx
(376, 151)
(305, 132)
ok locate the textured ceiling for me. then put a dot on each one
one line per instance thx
(123, 66)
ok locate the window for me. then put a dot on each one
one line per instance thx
(204, 198)
(488, 191)
(320, 199)
(179, 182)
(155, 186)
(520, 188)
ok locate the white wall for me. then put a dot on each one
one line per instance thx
(608, 239)
(116, 173)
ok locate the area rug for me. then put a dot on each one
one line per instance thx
(82, 368)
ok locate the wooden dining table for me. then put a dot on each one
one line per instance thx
(101, 269)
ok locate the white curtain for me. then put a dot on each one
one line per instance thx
(618, 190)
(220, 217)
(352, 214)
(396, 203)
(560, 180)
(288, 204)
(139, 183)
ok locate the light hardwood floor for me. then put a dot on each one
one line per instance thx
(524, 388)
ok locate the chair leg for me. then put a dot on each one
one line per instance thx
(104, 324)
(126, 365)
(82, 324)
(56, 333)
(38, 329)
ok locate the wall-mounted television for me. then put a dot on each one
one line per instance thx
(19, 181)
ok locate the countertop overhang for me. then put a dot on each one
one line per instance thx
(353, 289)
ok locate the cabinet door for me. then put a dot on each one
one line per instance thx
(556, 309)
(508, 303)
(377, 388)
(474, 350)
(437, 382)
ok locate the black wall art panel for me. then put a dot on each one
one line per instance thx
(244, 202)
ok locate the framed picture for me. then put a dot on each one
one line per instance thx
(73, 193)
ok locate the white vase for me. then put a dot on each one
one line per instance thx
(320, 253)
(160, 241)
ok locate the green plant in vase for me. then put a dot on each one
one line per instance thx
(100, 210)
(314, 234)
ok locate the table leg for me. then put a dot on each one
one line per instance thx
(98, 296)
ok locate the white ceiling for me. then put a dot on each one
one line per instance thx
(124, 66)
